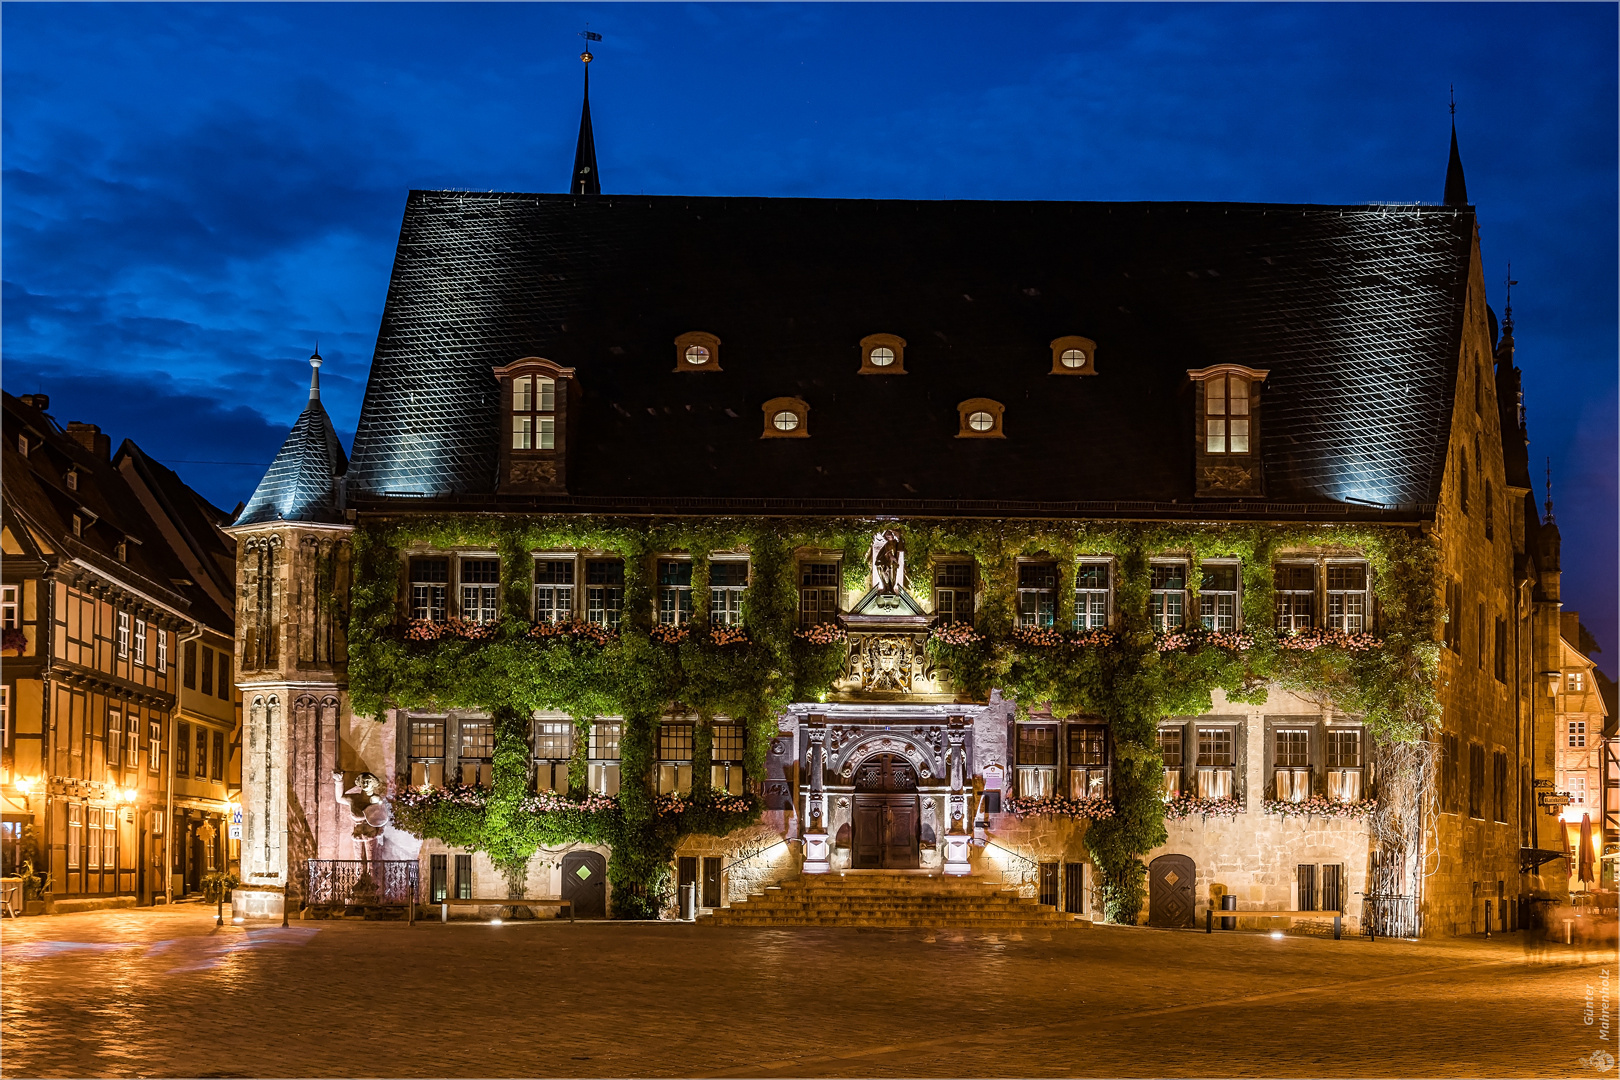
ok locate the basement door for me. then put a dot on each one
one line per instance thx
(584, 881)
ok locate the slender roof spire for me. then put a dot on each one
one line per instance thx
(315, 373)
(1549, 515)
(1456, 187)
(586, 181)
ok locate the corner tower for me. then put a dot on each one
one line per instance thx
(292, 568)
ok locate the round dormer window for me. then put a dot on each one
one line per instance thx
(1073, 358)
(981, 421)
(786, 421)
(882, 356)
(697, 355)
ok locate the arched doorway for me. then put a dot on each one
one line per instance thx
(885, 818)
(1170, 891)
(584, 881)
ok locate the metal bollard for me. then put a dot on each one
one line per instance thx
(688, 902)
(1487, 918)
(444, 913)
(1209, 920)
(1338, 917)
(1228, 903)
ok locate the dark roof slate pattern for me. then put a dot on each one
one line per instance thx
(1355, 311)
(304, 482)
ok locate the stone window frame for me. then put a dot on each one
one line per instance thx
(1074, 341)
(1190, 726)
(697, 339)
(725, 601)
(1173, 780)
(1021, 768)
(781, 405)
(461, 559)
(535, 468)
(972, 406)
(1338, 726)
(1312, 747)
(1291, 621)
(679, 614)
(483, 767)
(887, 341)
(1340, 621)
(728, 741)
(604, 599)
(1201, 378)
(1084, 727)
(1158, 598)
(413, 581)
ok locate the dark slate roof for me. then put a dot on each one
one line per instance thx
(1356, 311)
(304, 482)
(198, 528)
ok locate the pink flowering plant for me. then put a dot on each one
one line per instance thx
(1320, 638)
(1320, 806)
(1187, 805)
(1196, 637)
(1091, 808)
(665, 634)
(955, 634)
(466, 629)
(727, 635)
(822, 634)
(572, 630)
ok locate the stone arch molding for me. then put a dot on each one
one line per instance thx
(857, 745)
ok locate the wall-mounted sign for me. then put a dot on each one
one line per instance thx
(1556, 798)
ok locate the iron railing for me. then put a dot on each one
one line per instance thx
(383, 883)
(1384, 915)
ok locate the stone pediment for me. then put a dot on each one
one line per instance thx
(880, 610)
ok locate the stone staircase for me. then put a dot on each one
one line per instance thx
(890, 899)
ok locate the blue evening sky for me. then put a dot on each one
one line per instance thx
(194, 193)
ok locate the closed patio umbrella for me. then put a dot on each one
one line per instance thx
(1584, 860)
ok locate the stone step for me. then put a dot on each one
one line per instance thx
(898, 923)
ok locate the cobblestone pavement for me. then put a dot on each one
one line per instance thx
(161, 992)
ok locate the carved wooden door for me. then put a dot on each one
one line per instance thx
(584, 881)
(1170, 891)
(900, 848)
(887, 817)
(866, 841)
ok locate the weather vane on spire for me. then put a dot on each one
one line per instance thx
(589, 37)
(1453, 99)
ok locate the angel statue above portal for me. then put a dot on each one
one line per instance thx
(888, 561)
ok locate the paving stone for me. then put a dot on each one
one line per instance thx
(162, 992)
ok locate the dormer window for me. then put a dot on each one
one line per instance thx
(534, 406)
(78, 525)
(883, 354)
(1227, 429)
(22, 444)
(786, 418)
(697, 351)
(72, 479)
(980, 418)
(1074, 356)
(534, 397)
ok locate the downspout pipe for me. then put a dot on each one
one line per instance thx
(174, 727)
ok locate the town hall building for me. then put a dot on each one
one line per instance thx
(1142, 559)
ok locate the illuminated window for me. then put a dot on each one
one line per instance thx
(93, 840)
(726, 758)
(427, 753)
(1226, 412)
(1167, 596)
(140, 642)
(1344, 774)
(154, 746)
(1170, 749)
(1074, 356)
(727, 581)
(115, 745)
(980, 418)
(430, 587)
(534, 407)
(674, 758)
(75, 834)
(1216, 758)
(603, 758)
(818, 593)
(1091, 596)
(132, 742)
(1291, 764)
(697, 351)
(9, 613)
(78, 525)
(1294, 587)
(123, 633)
(1347, 598)
(162, 649)
(553, 590)
(1575, 784)
(786, 418)
(553, 747)
(1575, 681)
(674, 591)
(1577, 734)
(883, 354)
(953, 592)
(604, 592)
(1088, 762)
(1217, 597)
(1037, 760)
(477, 752)
(1037, 594)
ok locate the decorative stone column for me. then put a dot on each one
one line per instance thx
(817, 854)
(957, 834)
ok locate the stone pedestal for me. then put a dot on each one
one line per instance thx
(250, 903)
(956, 854)
(817, 855)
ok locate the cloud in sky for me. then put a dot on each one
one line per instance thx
(194, 193)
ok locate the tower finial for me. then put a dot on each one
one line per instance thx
(1507, 309)
(1550, 518)
(315, 372)
(1456, 187)
(586, 181)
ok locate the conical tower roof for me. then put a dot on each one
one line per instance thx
(1456, 186)
(586, 181)
(305, 481)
